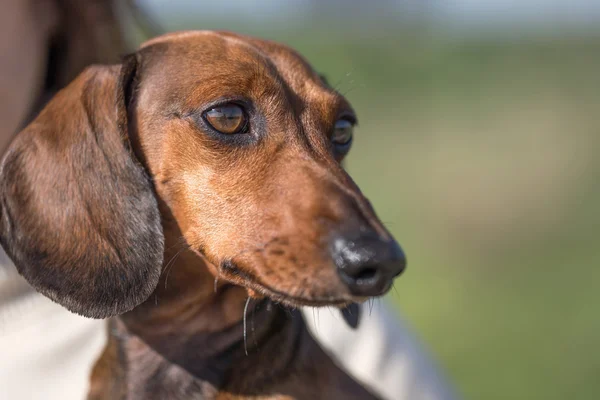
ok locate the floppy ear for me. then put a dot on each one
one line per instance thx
(78, 214)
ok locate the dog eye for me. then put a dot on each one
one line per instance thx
(228, 119)
(342, 133)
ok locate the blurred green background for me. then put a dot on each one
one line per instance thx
(478, 148)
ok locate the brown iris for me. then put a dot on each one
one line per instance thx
(342, 133)
(228, 119)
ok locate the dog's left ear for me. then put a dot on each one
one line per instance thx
(351, 315)
(79, 217)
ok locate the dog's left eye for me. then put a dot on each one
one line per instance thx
(342, 132)
(228, 119)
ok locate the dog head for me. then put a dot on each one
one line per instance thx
(239, 137)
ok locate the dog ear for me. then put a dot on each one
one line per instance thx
(79, 217)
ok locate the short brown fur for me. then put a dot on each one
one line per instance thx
(176, 227)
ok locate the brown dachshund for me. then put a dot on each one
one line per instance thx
(196, 191)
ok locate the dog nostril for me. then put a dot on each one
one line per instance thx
(368, 280)
(365, 274)
(361, 276)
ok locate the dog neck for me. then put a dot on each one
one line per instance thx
(211, 329)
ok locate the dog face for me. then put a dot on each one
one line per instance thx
(243, 142)
(247, 157)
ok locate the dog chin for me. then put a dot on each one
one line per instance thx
(349, 310)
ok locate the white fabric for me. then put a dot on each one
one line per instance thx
(381, 353)
(47, 353)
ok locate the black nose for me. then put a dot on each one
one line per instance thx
(367, 263)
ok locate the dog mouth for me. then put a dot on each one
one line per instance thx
(233, 273)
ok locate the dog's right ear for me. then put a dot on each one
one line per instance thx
(78, 213)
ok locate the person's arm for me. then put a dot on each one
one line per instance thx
(26, 26)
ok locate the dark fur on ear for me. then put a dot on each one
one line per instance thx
(79, 217)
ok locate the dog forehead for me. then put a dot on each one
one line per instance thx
(218, 51)
(219, 40)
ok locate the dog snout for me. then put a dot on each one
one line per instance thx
(366, 263)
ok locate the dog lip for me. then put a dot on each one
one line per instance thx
(301, 301)
(253, 283)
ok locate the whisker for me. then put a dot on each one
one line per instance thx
(348, 91)
(171, 263)
(261, 248)
(339, 82)
(395, 290)
(252, 326)
(245, 335)
(178, 242)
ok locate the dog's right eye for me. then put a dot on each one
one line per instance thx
(227, 119)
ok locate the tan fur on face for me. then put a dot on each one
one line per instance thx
(267, 208)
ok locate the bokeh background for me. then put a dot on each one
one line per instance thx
(478, 141)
